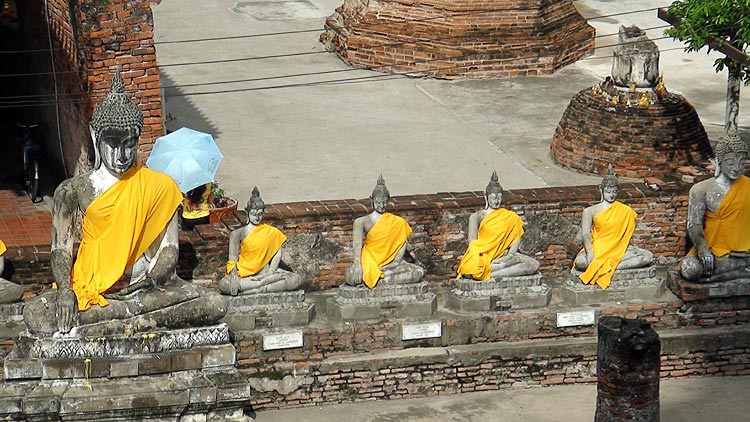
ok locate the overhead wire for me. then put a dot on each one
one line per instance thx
(73, 96)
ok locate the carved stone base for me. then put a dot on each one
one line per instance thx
(178, 375)
(11, 312)
(268, 310)
(358, 303)
(627, 285)
(495, 295)
(690, 291)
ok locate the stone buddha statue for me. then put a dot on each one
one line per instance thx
(255, 254)
(9, 292)
(719, 217)
(494, 234)
(606, 229)
(379, 243)
(129, 238)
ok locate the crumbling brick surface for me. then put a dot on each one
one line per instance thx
(459, 38)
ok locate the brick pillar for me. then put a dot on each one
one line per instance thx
(119, 33)
(628, 363)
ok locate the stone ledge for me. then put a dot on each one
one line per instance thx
(691, 291)
(674, 342)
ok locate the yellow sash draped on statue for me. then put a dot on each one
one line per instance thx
(610, 236)
(257, 250)
(382, 244)
(2, 248)
(497, 232)
(726, 230)
(118, 227)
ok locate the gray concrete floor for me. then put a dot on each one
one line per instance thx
(315, 136)
(721, 399)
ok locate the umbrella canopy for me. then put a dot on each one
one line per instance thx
(189, 156)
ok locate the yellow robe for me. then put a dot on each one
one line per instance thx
(257, 249)
(726, 229)
(2, 248)
(382, 244)
(497, 232)
(610, 236)
(118, 227)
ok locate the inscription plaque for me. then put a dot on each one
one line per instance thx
(417, 331)
(282, 341)
(572, 319)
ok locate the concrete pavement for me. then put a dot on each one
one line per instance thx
(720, 399)
(298, 141)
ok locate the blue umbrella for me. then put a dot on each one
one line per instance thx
(189, 156)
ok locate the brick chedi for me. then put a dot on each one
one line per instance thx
(459, 38)
(630, 120)
(639, 141)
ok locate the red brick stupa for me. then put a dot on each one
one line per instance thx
(459, 38)
(631, 120)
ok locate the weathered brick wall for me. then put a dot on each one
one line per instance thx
(90, 39)
(638, 141)
(439, 229)
(459, 38)
(432, 371)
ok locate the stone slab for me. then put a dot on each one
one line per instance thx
(11, 312)
(640, 284)
(523, 292)
(269, 310)
(692, 291)
(393, 307)
(54, 369)
(213, 394)
(121, 345)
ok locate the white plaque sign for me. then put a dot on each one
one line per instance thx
(282, 341)
(571, 319)
(417, 331)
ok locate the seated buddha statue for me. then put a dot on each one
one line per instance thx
(494, 234)
(126, 261)
(719, 217)
(9, 292)
(606, 229)
(255, 254)
(379, 244)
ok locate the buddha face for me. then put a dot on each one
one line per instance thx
(379, 203)
(732, 164)
(609, 193)
(494, 199)
(117, 148)
(255, 215)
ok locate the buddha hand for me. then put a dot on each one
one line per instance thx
(67, 309)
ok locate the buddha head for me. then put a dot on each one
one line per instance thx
(380, 196)
(115, 128)
(493, 193)
(731, 155)
(609, 187)
(255, 207)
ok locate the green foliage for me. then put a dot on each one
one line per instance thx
(727, 21)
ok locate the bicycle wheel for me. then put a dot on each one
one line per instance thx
(33, 178)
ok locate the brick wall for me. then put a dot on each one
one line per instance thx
(90, 38)
(638, 141)
(439, 229)
(459, 38)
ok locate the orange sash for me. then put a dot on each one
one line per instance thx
(118, 227)
(610, 237)
(497, 232)
(382, 244)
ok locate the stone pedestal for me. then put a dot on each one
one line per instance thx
(359, 303)
(268, 310)
(172, 375)
(628, 364)
(627, 285)
(691, 291)
(11, 312)
(496, 295)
